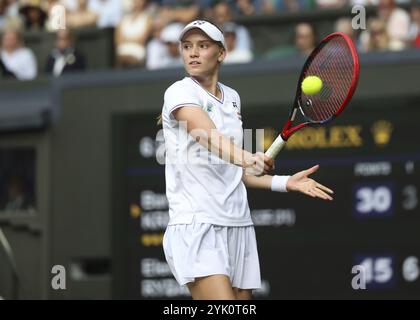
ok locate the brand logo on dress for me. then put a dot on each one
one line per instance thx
(237, 108)
(209, 107)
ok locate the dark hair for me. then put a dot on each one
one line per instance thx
(415, 4)
(220, 29)
(227, 2)
(314, 30)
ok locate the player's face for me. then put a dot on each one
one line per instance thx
(201, 54)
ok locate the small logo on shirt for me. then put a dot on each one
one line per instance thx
(238, 113)
(209, 107)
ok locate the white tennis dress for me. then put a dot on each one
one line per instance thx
(210, 230)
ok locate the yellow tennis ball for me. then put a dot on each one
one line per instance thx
(311, 85)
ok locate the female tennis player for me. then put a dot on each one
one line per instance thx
(210, 242)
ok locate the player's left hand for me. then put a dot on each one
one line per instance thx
(302, 183)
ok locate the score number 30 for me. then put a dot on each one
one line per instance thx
(377, 199)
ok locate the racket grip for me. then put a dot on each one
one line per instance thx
(275, 148)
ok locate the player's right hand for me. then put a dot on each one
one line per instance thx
(258, 164)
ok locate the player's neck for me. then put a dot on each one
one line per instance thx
(209, 84)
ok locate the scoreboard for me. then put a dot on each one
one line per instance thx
(364, 244)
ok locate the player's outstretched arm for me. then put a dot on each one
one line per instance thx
(301, 182)
(202, 129)
(262, 182)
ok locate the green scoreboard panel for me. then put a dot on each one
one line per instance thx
(364, 244)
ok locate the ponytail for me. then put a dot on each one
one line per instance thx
(159, 120)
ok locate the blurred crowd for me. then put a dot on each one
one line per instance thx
(146, 32)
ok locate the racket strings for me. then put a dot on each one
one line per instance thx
(331, 101)
(330, 104)
(333, 63)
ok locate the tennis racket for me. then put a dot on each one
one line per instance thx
(336, 63)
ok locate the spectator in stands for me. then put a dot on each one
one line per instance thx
(70, 5)
(270, 6)
(5, 73)
(16, 58)
(182, 11)
(222, 13)
(81, 17)
(127, 6)
(375, 38)
(109, 12)
(3, 7)
(155, 46)
(364, 2)
(132, 34)
(17, 198)
(305, 38)
(34, 14)
(331, 4)
(414, 32)
(64, 58)
(13, 8)
(253, 7)
(234, 54)
(164, 52)
(397, 23)
(304, 41)
(8, 18)
(246, 7)
(344, 25)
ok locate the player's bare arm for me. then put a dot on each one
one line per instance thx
(203, 130)
(299, 182)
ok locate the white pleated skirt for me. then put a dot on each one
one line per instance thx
(202, 249)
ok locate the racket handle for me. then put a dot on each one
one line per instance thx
(275, 148)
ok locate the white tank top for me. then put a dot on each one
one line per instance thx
(133, 27)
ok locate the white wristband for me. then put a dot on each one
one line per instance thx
(278, 183)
